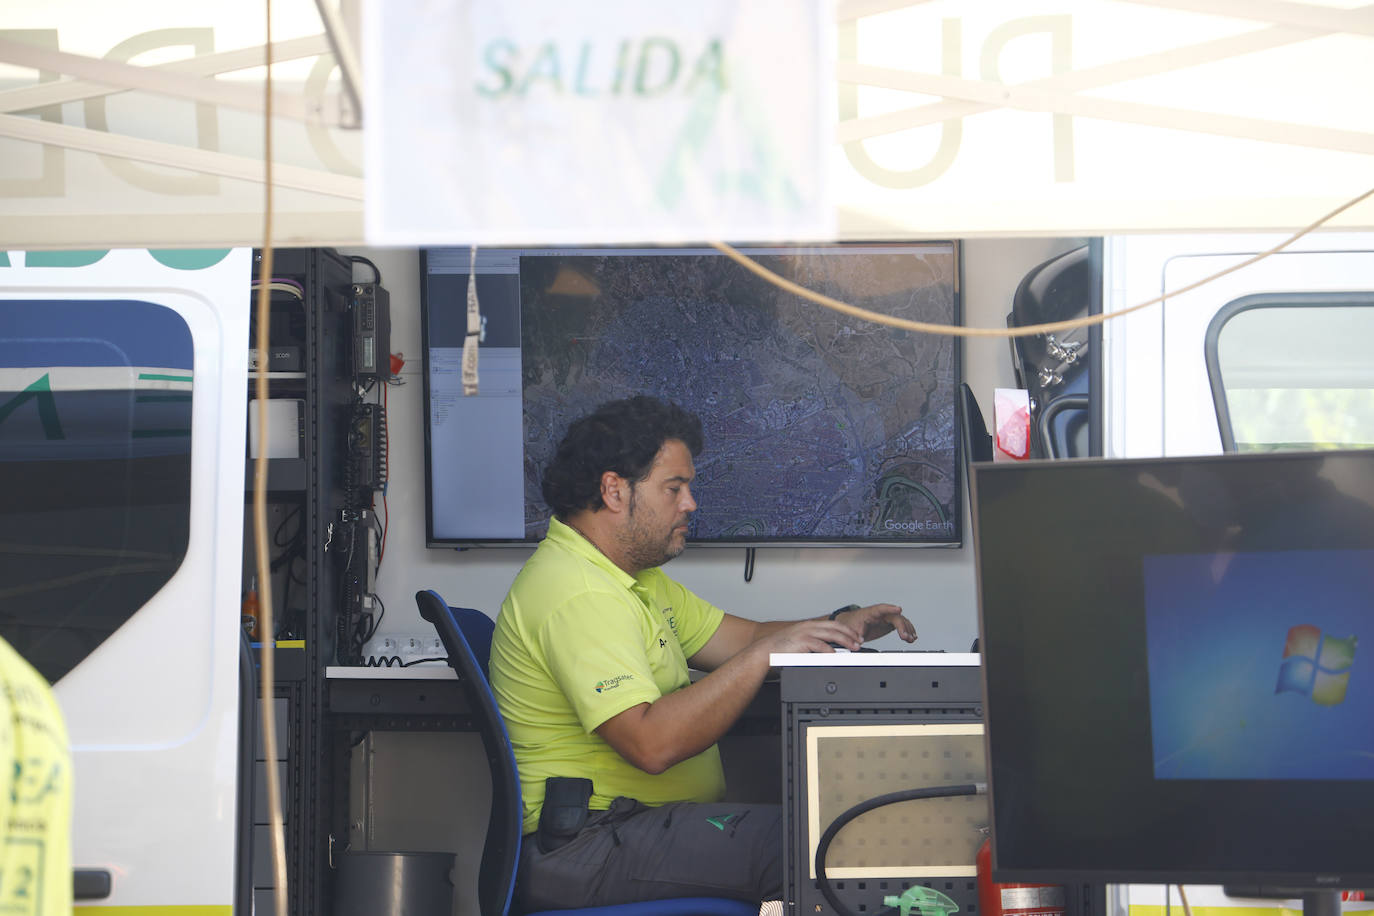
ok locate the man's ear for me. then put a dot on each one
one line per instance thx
(615, 491)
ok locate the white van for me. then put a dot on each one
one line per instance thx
(122, 402)
(1276, 354)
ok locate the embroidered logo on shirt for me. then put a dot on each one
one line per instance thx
(662, 643)
(612, 683)
(720, 821)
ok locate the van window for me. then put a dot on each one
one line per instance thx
(95, 458)
(1293, 371)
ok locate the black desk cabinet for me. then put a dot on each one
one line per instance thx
(855, 729)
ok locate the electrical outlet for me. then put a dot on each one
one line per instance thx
(415, 648)
(431, 647)
(406, 647)
(380, 648)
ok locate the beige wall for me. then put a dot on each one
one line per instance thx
(936, 586)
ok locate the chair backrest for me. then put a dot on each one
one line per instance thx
(477, 628)
(975, 438)
(466, 635)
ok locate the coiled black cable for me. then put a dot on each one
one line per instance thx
(863, 807)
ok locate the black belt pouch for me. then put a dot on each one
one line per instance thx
(564, 812)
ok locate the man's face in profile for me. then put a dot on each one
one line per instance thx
(660, 505)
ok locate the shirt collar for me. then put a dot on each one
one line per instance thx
(569, 538)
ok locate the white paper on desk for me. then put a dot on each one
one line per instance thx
(907, 659)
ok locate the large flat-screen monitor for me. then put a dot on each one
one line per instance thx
(820, 428)
(1177, 671)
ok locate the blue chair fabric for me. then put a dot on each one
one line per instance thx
(466, 634)
(501, 852)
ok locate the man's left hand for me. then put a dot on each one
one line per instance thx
(878, 620)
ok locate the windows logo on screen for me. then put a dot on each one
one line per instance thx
(1316, 666)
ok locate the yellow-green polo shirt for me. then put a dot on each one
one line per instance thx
(578, 641)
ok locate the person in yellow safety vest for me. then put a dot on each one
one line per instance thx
(36, 811)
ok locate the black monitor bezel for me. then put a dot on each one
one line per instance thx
(958, 465)
(1009, 750)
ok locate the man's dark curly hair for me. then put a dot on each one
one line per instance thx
(621, 436)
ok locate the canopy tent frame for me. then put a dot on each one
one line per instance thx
(191, 79)
(331, 172)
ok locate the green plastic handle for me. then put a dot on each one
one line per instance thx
(927, 901)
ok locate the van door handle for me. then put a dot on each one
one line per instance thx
(91, 883)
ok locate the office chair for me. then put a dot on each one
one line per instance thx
(466, 635)
(974, 435)
(1055, 368)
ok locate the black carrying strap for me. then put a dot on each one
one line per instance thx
(565, 811)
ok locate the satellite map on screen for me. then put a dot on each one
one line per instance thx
(818, 426)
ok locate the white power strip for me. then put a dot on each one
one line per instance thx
(404, 649)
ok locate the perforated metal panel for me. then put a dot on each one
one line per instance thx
(852, 734)
(849, 764)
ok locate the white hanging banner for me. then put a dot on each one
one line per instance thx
(1093, 117)
(549, 122)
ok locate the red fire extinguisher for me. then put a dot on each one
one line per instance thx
(1015, 899)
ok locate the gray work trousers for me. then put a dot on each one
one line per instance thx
(632, 852)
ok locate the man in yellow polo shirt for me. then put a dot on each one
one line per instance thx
(616, 746)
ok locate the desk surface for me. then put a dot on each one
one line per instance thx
(429, 671)
(437, 671)
(433, 689)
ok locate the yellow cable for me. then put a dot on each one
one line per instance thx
(1027, 330)
(266, 628)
